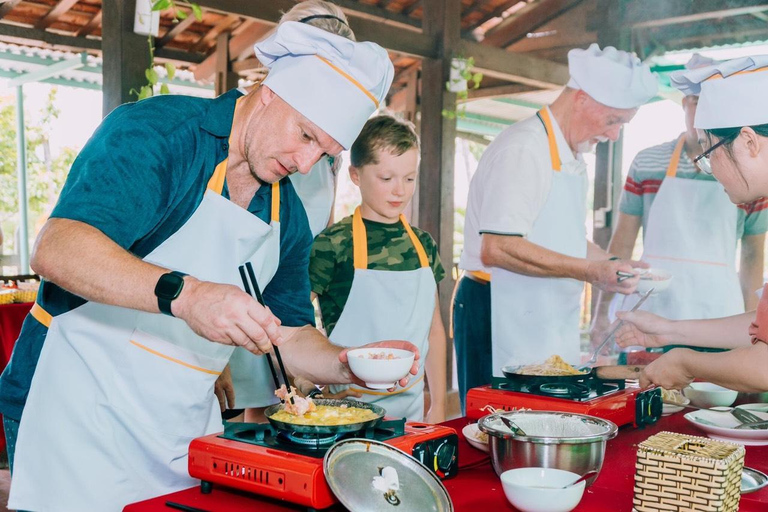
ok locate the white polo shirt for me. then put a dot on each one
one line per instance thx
(511, 185)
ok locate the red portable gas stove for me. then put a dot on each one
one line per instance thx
(611, 400)
(255, 457)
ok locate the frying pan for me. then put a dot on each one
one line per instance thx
(599, 372)
(326, 429)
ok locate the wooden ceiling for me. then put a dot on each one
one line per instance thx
(545, 29)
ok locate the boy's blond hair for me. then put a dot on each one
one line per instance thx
(383, 132)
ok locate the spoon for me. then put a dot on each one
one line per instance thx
(512, 426)
(585, 476)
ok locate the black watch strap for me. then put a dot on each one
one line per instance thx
(168, 288)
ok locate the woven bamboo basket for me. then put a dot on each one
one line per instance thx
(681, 473)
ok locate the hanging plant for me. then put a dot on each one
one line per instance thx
(150, 73)
(460, 80)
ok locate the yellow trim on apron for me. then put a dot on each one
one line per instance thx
(675, 160)
(483, 276)
(387, 393)
(216, 183)
(173, 359)
(554, 154)
(360, 241)
(41, 315)
(351, 79)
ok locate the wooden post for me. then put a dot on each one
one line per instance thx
(608, 160)
(125, 54)
(225, 78)
(438, 134)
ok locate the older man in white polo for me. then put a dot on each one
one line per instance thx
(526, 256)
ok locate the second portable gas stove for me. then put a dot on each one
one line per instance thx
(612, 400)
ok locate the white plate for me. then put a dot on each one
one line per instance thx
(471, 434)
(668, 409)
(721, 425)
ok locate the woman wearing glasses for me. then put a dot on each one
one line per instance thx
(732, 123)
(690, 228)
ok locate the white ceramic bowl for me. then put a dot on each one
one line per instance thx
(475, 438)
(376, 370)
(706, 394)
(656, 278)
(533, 489)
(670, 408)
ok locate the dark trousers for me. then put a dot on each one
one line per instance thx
(472, 336)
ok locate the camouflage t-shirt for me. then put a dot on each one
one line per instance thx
(331, 262)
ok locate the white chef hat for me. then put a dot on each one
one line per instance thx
(612, 77)
(334, 82)
(731, 93)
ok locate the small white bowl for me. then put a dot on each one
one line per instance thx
(669, 408)
(475, 437)
(534, 489)
(706, 394)
(380, 373)
(656, 278)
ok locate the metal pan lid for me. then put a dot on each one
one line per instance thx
(752, 480)
(376, 477)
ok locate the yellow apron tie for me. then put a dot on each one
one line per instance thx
(360, 242)
(41, 315)
(554, 154)
(675, 160)
(216, 183)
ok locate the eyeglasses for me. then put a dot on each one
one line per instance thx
(703, 159)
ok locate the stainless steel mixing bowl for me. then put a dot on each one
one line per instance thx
(577, 453)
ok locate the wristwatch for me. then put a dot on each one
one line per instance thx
(167, 289)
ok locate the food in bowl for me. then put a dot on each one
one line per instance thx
(707, 394)
(381, 355)
(382, 371)
(327, 415)
(673, 396)
(541, 489)
(656, 278)
(553, 366)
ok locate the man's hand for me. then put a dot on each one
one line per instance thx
(668, 371)
(226, 314)
(403, 345)
(224, 390)
(642, 328)
(605, 275)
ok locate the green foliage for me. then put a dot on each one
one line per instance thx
(45, 174)
(461, 81)
(153, 78)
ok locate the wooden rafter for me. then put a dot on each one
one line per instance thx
(493, 14)
(92, 25)
(237, 45)
(517, 27)
(360, 10)
(225, 23)
(8, 6)
(55, 13)
(177, 29)
(499, 90)
(408, 10)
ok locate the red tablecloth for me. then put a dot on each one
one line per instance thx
(11, 318)
(477, 488)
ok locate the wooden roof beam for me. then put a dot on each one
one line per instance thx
(55, 13)
(92, 25)
(224, 24)
(177, 29)
(499, 91)
(33, 37)
(8, 6)
(515, 28)
(657, 13)
(515, 67)
(361, 10)
(255, 31)
(493, 14)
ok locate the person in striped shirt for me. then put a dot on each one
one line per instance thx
(691, 229)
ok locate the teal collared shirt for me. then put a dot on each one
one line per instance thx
(138, 179)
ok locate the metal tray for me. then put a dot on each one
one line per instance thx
(752, 480)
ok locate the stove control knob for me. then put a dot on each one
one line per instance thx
(445, 455)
